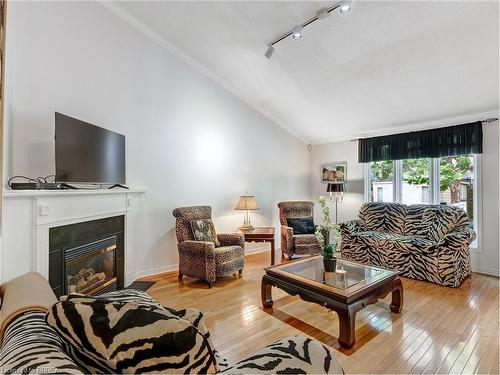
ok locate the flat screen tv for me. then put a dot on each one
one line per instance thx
(86, 153)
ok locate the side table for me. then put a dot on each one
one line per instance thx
(261, 234)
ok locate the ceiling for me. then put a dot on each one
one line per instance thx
(388, 65)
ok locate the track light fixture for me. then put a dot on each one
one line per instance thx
(322, 13)
(269, 52)
(345, 7)
(298, 31)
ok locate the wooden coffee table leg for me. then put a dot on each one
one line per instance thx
(272, 252)
(347, 328)
(265, 293)
(397, 296)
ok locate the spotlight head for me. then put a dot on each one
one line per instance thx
(345, 7)
(269, 52)
(297, 32)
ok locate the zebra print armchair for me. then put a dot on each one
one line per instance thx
(296, 244)
(206, 260)
(423, 242)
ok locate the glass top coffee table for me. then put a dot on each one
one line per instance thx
(351, 288)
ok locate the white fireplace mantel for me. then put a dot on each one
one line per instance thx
(29, 214)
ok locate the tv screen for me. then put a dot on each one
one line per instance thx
(86, 153)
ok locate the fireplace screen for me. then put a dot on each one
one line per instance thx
(91, 267)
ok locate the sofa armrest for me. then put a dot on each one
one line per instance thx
(231, 239)
(29, 292)
(197, 259)
(196, 248)
(352, 226)
(31, 346)
(300, 354)
(286, 240)
(459, 238)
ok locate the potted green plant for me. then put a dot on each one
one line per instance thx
(328, 235)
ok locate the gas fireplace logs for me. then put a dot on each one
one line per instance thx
(84, 279)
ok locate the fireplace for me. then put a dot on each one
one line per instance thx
(87, 257)
(90, 268)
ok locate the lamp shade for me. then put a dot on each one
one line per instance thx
(247, 202)
(335, 188)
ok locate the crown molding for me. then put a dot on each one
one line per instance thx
(409, 127)
(193, 63)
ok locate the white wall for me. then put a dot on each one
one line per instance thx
(339, 151)
(188, 140)
(486, 259)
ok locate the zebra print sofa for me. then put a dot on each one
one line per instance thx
(30, 344)
(423, 242)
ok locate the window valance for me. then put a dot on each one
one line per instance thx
(433, 143)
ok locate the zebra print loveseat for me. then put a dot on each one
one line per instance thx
(40, 335)
(423, 242)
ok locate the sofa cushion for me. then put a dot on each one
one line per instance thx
(291, 355)
(304, 239)
(438, 221)
(204, 230)
(413, 222)
(305, 244)
(125, 337)
(301, 225)
(30, 346)
(225, 254)
(389, 241)
(295, 209)
(383, 217)
(183, 217)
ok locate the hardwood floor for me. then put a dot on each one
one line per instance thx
(441, 330)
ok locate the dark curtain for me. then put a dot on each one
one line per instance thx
(433, 143)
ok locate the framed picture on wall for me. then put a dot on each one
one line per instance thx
(334, 173)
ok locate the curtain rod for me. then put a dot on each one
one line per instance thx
(488, 120)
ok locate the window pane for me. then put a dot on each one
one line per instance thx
(456, 180)
(381, 181)
(415, 188)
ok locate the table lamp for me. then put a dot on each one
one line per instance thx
(337, 195)
(247, 203)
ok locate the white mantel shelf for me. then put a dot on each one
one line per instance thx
(54, 193)
(28, 216)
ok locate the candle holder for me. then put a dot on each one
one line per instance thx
(341, 277)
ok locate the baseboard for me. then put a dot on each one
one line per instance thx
(486, 271)
(257, 247)
(175, 267)
(155, 271)
(257, 251)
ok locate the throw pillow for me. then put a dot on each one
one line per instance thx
(145, 301)
(204, 230)
(125, 337)
(301, 225)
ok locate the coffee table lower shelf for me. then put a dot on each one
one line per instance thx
(346, 311)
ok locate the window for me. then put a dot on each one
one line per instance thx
(380, 194)
(416, 180)
(381, 181)
(425, 194)
(456, 180)
(447, 180)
